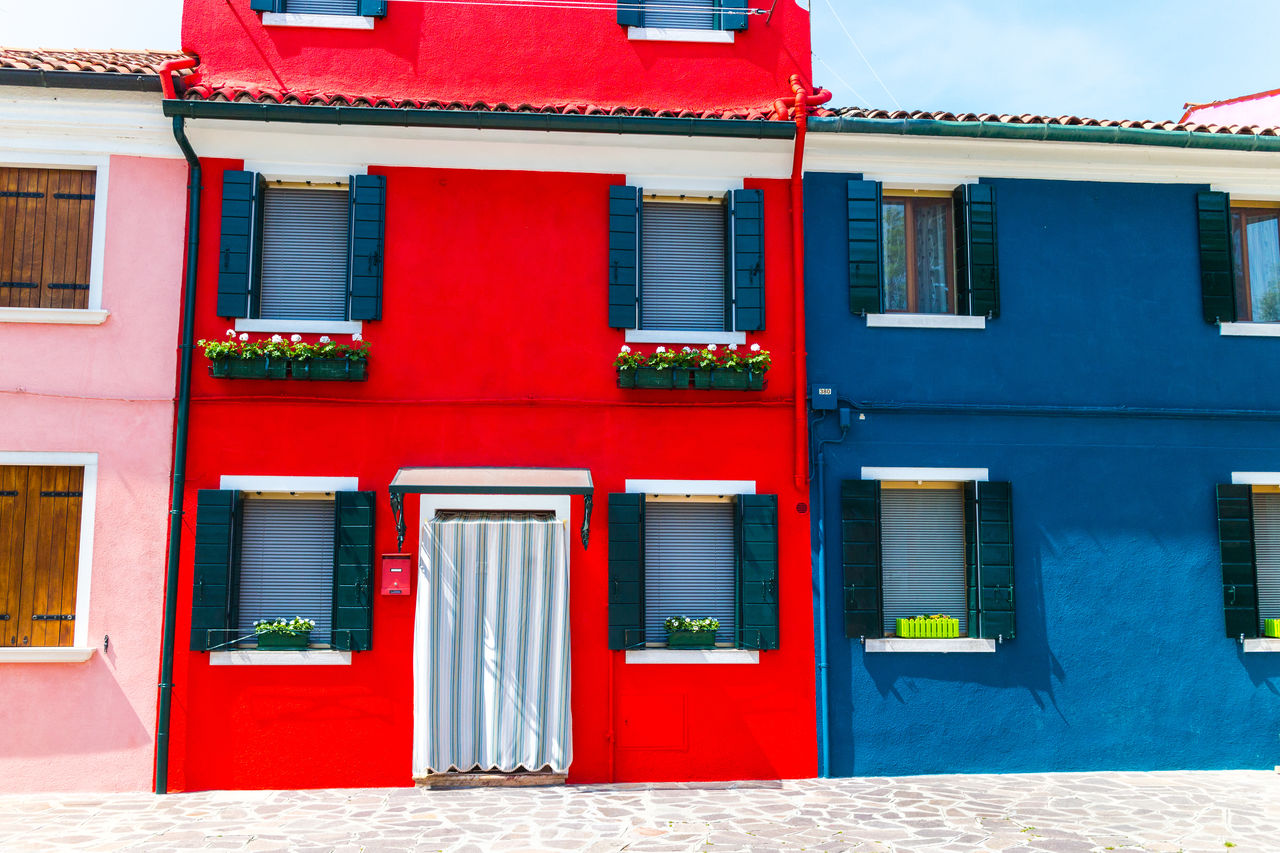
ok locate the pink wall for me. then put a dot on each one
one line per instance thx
(106, 389)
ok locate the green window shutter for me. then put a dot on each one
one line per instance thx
(757, 521)
(624, 255)
(864, 247)
(368, 200)
(235, 250)
(1217, 278)
(266, 5)
(353, 571)
(373, 8)
(747, 211)
(213, 593)
(631, 13)
(626, 571)
(860, 557)
(977, 269)
(994, 514)
(1239, 567)
(972, 597)
(733, 21)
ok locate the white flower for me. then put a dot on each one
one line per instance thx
(231, 333)
(244, 336)
(626, 348)
(685, 349)
(296, 338)
(711, 347)
(733, 347)
(276, 339)
(357, 337)
(662, 349)
(755, 348)
(324, 339)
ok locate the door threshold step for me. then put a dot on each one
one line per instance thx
(489, 780)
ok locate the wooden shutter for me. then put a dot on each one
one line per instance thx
(977, 272)
(626, 571)
(757, 571)
(1239, 567)
(215, 566)
(1217, 278)
(690, 565)
(683, 267)
(368, 235)
(736, 18)
(631, 13)
(624, 255)
(286, 563)
(747, 224)
(305, 254)
(860, 557)
(922, 555)
(235, 249)
(994, 515)
(40, 510)
(864, 247)
(46, 236)
(373, 8)
(353, 571)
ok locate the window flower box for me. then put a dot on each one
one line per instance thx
(334, 369)
(259, 367)
(686, 633)
(653, 377)
(937, 627)
(703, 369)
(237, 357)
(1271, 628)
(284, 633)
(284, 641)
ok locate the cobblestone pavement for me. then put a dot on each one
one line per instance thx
(1068, 812)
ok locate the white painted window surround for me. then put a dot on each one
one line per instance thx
(280, 657)
(944, 475)
(673, 34)
(64, 316)
(925, 321)
(693, 656)
(309, 327)
(1250, 330)
(270, 483)
(46, 654)
(964, 645)
(654, 336)
(319, 22)
(691, 487)
(1262, 644)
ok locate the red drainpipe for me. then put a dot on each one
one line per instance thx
(169, 69)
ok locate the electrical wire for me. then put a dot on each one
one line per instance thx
(854, 42)
(591, 6)
(846, 83)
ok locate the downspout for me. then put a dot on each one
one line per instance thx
(824, 724)
(178, 486)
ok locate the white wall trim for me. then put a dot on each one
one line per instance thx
(46, 654)
(98, 244)
(691, 487)
(268, 483)
(1255, 478)
(63, 316)
(429, 505)
(925, 321)
(655, 336)
(694, 185)
(319, 22)
(1262, 644)
(965, 645)
(1250, 330)
(309, 327)
(322, 174)
(694, 656)
(891, 183)
(57, 127)
(280, 657)
(676, 34)
(946, 475)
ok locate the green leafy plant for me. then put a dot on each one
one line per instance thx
(239, 346)
(290, 627)
(628, 360)
(696, 626)
(709, 357)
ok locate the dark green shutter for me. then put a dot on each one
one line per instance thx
(368, 200)
(1239, 566)
(995, 561)
(757, 523)
(213, 593)
(624, 256)
(1217, 278)
(977, 268)
(353, 571)
(733, 21)
(747, 208)
(266, 5)
(864, 247)
(626, 571)
(860, 557)
(630, 13)
(971, 588)
(235, 250)
(373, 8)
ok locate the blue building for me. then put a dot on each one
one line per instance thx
(1045, 363)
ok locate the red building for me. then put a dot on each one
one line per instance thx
(495, 200)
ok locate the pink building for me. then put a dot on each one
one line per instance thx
(92, 209)
(1261, 109)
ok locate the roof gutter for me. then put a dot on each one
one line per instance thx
(99, 80)
(1046, 133)
(477, 120)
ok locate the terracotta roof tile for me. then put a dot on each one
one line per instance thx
(102, 61)
(1025, 118)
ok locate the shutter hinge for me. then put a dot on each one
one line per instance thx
(62, 494)
(75, 196)
(4, 617)
(53, 617)
(9, 493)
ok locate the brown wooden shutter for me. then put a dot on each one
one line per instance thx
(39, 554)
(46, 223)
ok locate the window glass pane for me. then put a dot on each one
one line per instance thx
(931, 259)
(680, 14)
(894, 226)
(1266, 538)
(1263, 232)
(304, 254)
(922, 544)
(286, 563)
(322, 7)
(682, 270)
(1238, 268)
(689, 565)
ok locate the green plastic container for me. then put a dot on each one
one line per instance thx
(680, 377)
(691, 639)
(284, 641)
(652, 377)
(331, 369)
(702, 378)
(755, 381)
(626, 378)
(261, 367)
(945, 628)
(1271, 628)
(729, 380)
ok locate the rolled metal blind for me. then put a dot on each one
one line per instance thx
(1266, 542)
(304, 254)
(922, 553)
(680, 14)
(322, 7)
(689, 566)
(286, 563)
(682, 270)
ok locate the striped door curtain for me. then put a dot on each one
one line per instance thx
(491, 645)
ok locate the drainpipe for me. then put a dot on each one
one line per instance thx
(178, 487)
(824, 728)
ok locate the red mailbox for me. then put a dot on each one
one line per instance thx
(395, 574)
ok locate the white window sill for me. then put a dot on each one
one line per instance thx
(1263, 644)
(1250, 330)
(924, 321)
(320, 22)
(283, 657)
(656, 336)
(47, 654)
(971, 645)
(310, 327)
(77, 316)
(673, 34)
(693, 656)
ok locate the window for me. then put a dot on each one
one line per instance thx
(40, 514)
(46, 219)
(337, 8)
(919, 261)
(1255, 249)
(684, 14)
(923, 543)
(286, 563)
(1249, 534)
(695, 556)
(322, 7)
(304, 254)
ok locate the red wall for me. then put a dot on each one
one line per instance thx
(494, 350)
(500, 53)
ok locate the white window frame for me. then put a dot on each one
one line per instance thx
(680, 34)
(1258, 478)
(80, 650)
(318, 22)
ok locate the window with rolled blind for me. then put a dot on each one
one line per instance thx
(682, 268)
(286, 563)
(46, 236)
(304, 254)
(1266, 543)
(322, 7)
(680, 14)
(689, 565)
(922, 544)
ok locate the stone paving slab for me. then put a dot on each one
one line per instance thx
(1035, 813)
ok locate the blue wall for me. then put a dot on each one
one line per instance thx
(1121, 659)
